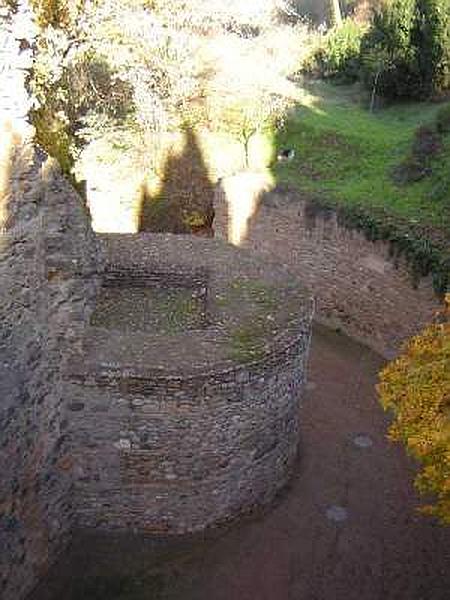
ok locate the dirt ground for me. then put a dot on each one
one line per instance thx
(346, 529)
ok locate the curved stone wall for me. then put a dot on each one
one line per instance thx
(176, 455)
(190, 435)
(358, 286)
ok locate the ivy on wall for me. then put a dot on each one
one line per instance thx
(424, 255)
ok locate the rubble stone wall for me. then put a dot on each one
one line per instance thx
(191, 435)
(177, 454)
(359, 287)
(47, 259)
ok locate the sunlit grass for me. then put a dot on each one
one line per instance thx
(347, 154)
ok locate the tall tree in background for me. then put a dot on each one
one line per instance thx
(431, 38)
(406, 53)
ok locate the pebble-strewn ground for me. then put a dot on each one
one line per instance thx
(346, 529)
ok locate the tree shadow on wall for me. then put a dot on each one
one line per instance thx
(185, 201)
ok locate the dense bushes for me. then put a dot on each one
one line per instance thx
(443, 120)
(116, 83)
(431, 38)
(426, 145)
(386, 53)
(417, 388)
(404, 53)
(338, 53)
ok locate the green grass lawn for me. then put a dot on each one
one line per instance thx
(346, 155)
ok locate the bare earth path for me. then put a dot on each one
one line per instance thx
(346, 529)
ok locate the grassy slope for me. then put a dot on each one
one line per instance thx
(346, 154)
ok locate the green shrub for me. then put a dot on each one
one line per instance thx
(443, 120)
(440, 192)
(431, 39)
(406, 52)
(426, 146)
(387, 53)
(337, 55)
(53, 135)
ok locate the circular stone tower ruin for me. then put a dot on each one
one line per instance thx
(184, 401)
(149, 382)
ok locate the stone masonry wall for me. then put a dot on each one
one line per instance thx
(190, 436)
(47, 258)
(46, 254)
(358, 286)
(177, 454)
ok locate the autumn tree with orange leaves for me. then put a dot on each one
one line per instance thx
(416, 387)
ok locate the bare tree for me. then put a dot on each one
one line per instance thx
(170, 65)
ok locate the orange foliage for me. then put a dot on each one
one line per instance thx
(57, 13)
(416, 387)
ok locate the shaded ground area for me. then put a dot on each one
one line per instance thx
(346, 529)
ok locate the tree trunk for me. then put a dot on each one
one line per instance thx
(374, 90)
(335, 13)
(246, 141)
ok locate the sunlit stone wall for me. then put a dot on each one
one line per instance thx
(47, 284)
(359, 287)
(47, 260)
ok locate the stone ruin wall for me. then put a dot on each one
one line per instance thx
(359, 288)
(182, 444)
(63, 471)
(177, 454)
(58, 468)
(219, 443)
(47, 259)
(46, 256)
